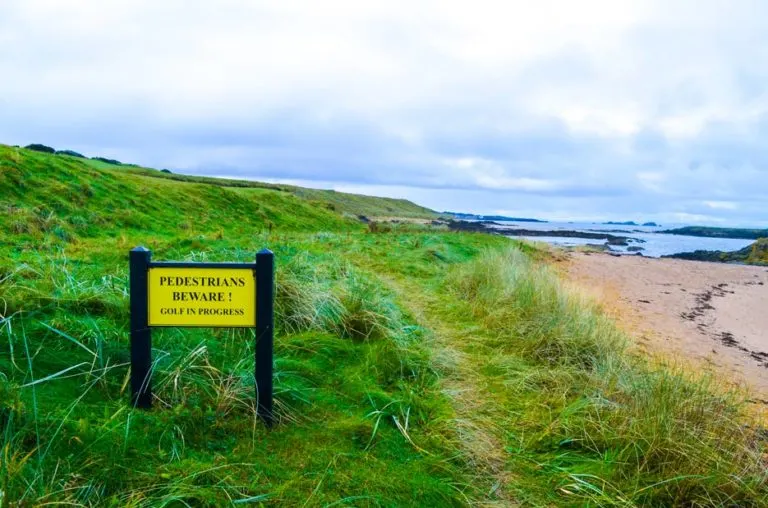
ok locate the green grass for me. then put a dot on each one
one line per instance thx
(754, 254)
(758, 252)
(746, 233)
(413, 367)
(76, 197)
(342, 202)
(369, 206)
(605, 427)
(67, 197)
(349, 365)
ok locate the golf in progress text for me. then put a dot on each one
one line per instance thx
(216, 297)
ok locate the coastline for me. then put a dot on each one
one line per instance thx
(708, 314)
(500, 229)
(651, 242)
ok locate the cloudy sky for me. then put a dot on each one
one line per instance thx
(596, 109)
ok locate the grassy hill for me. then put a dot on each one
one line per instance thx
(369, 206)
(754, 254)
(78, 197)
(352, 204)
(69, 197)
(413, 367)
(758, 252)
(712, 232)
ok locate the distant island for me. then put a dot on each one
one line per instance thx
(712, 232)
(472, 216)
(631, 223)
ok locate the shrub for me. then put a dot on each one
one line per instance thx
(108, 161)
(313, 296)
(303, 301)
(759, 252)
(78, 222)
(379, 227)
(367, 313)
(86, 190)
(40, 148)
(19, 227)
(70, 153)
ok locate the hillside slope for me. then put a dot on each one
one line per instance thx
(353, 204)
(76, 197)
(754, 254)
(71, 197)
(713, 232)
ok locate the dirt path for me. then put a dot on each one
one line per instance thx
(476, 415)
(704, 314)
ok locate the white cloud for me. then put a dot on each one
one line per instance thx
(652, 180)
(693, 218)
(721, 205)
(657, 104)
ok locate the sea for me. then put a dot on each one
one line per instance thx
(655, 244)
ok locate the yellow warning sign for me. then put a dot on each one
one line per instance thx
(215, 297)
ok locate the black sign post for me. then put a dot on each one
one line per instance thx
(265, 297)
(141, 335)
(141, 329)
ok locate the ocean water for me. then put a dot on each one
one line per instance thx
(655, 245)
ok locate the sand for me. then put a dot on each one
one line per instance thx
(702, 315)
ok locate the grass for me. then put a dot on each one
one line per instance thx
(754, 254)
(346, 371)
(758, 253)
(606, 427)
(369, 206)
(343, 202)
(414, 366)
(745, 233)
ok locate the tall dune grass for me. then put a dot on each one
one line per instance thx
(352, 372)
(333, 297)
(363, 417)
(619, 431)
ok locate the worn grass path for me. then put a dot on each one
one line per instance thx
(458, 352)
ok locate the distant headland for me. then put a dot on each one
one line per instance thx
(712, 232)
(472, 216)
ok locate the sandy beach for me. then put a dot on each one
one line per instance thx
(705, 315)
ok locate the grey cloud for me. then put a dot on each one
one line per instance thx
(651, 117)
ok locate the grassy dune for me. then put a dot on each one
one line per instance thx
(758, 252)
(351, 204)
(745, 233)
(602, 426)
(754, 254)
(413, 367)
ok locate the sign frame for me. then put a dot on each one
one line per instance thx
(140, 262)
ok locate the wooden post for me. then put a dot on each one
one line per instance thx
(265, 294)
(141, 334)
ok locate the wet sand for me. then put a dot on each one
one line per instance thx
(704, 315)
